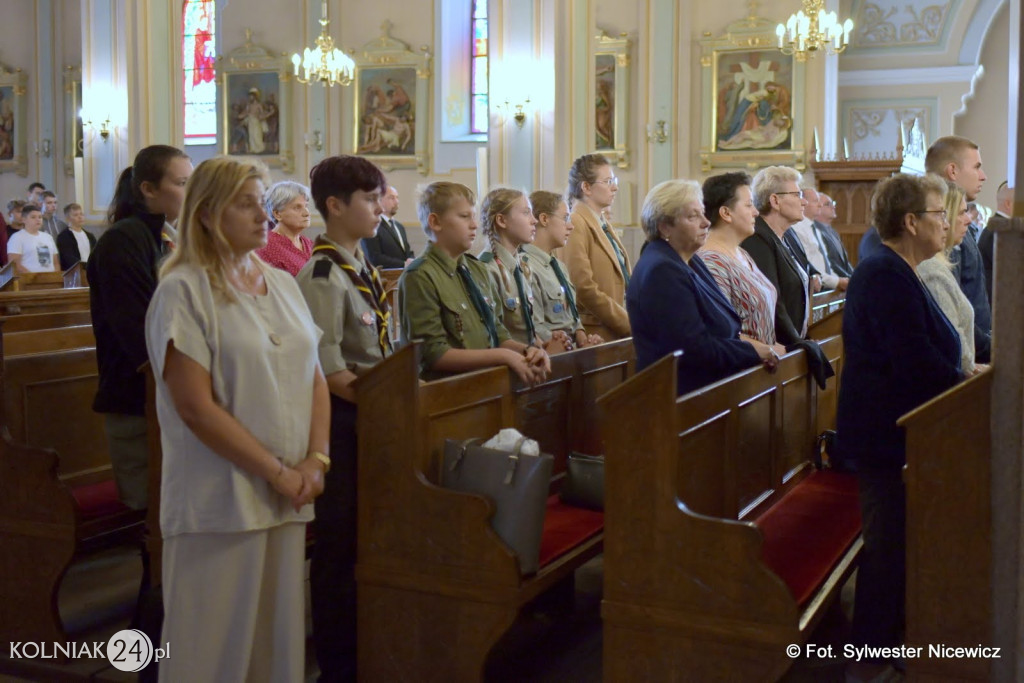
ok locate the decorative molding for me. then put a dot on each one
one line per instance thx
(13, 120)
(886, 23)
(974, 37)
(870, 126)
(902, 77)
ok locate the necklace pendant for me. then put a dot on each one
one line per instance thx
(274, 339)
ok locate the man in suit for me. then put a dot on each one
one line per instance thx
(812, 244)
(837, 256)
(958, 160)
(389, 247)
(1004, 209)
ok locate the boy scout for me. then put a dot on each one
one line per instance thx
(556, 296)
(446, 299)
(346, 298)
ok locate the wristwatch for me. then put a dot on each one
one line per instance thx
(322, 457)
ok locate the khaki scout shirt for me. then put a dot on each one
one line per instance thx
(436, 308)
(350, 340)
(513, 313)
(551, 298)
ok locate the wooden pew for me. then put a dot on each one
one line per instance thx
(45, 340)
(75, 276)
(44, 301)
(52, 507)
(28, 322)
(31, 281)
(8, 277)
(826, 314)
(723, 544)
(949, 530)
(437, 587)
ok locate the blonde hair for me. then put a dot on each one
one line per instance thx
(544, 201)
(954, 196)
(498, 202)
(210, 190)
(438, 197)
(665, 202)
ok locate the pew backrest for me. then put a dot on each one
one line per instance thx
(27, 322)
(46, 340)
(44, 301)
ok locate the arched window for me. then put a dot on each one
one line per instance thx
(198, 59)
(478, 64)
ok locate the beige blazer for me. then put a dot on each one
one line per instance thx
(594, 270)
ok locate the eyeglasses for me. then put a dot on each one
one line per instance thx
(799, 193)
(939, 211)
(610, 182)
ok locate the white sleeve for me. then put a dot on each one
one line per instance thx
(178, 313)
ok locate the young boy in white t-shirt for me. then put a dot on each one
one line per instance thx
(30, 250)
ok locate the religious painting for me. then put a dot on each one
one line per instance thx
(754, 100)
(611, 97)
(12, 121)
(74, 134)
(254, 105)
(387, 113)
(391, 100)
(751, 100)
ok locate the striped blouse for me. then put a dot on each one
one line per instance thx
(750, 292)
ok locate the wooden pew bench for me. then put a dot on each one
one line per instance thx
(723, 544)
(826, 314)
(44, 301)
(28, 322)
(58, 499)
(437, 587)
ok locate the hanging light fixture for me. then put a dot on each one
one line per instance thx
(324, 63)
(811, 30)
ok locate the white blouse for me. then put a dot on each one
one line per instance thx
(261, 353)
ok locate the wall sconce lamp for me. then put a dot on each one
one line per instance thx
(519, 116)
(658, 132)
(103, 127)
(314, 140)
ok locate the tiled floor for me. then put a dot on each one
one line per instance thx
(552, 642)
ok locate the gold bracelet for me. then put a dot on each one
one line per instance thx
(322, 457)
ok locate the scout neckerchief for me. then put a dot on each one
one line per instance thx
(373, 291)
(526, 310)
(569, 298)
(618, 252)
(479, 303)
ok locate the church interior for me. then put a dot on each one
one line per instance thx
(508, 93)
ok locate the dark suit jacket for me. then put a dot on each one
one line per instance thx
(384, 250)
(970, 273)
(869, 244)
(67, 247)
(985, 245)
(900, 351)
(774, 260)
(837, 256)
(674, 306)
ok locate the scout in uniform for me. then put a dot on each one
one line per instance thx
(508, 224)
(555, 294)
(446, 299)
(346, 297)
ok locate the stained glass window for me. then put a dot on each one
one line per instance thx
(198, 59)
(478, 66)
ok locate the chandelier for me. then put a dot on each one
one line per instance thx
(812, 29)
(324, 63)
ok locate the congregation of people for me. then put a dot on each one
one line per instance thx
(206, 273)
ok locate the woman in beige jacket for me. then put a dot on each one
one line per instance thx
(598, 263)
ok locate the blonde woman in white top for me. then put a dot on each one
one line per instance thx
(937, 275)
(244, 416)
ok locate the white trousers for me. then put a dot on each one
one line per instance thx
(234, 606)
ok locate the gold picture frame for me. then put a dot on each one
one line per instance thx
(391, 104)
(255, 105)
(74, 133)
(752, 96)
(13, 121)
(611, 97)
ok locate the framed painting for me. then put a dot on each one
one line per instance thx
(74, 135)
(611, 97)
(13, 123)
(391, 91)
(255, 106)
(752, 94)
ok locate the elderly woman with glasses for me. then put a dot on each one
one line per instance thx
(900, 351)
(598, 263)
(287, 248)
(674, 302)
(780, 203)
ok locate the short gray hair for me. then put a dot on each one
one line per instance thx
(284, 193)
(665, 202)
(771, 180)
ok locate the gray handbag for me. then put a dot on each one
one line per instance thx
(516, 484)
(584, 482)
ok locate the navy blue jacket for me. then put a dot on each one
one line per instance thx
(675, 306)
(969, 269)
(900, 351)
(869, 243)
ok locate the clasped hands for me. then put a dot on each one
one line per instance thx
(302, 483)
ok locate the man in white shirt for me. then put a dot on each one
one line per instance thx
(74, 244)
(30, 250)
(813, 243)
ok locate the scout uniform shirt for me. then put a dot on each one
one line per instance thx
(516, 305)
(351, 325)
(552, 299)
(437, 308)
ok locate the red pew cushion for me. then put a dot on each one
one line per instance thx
(807, 532)
(565, 527)
(97, 500)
